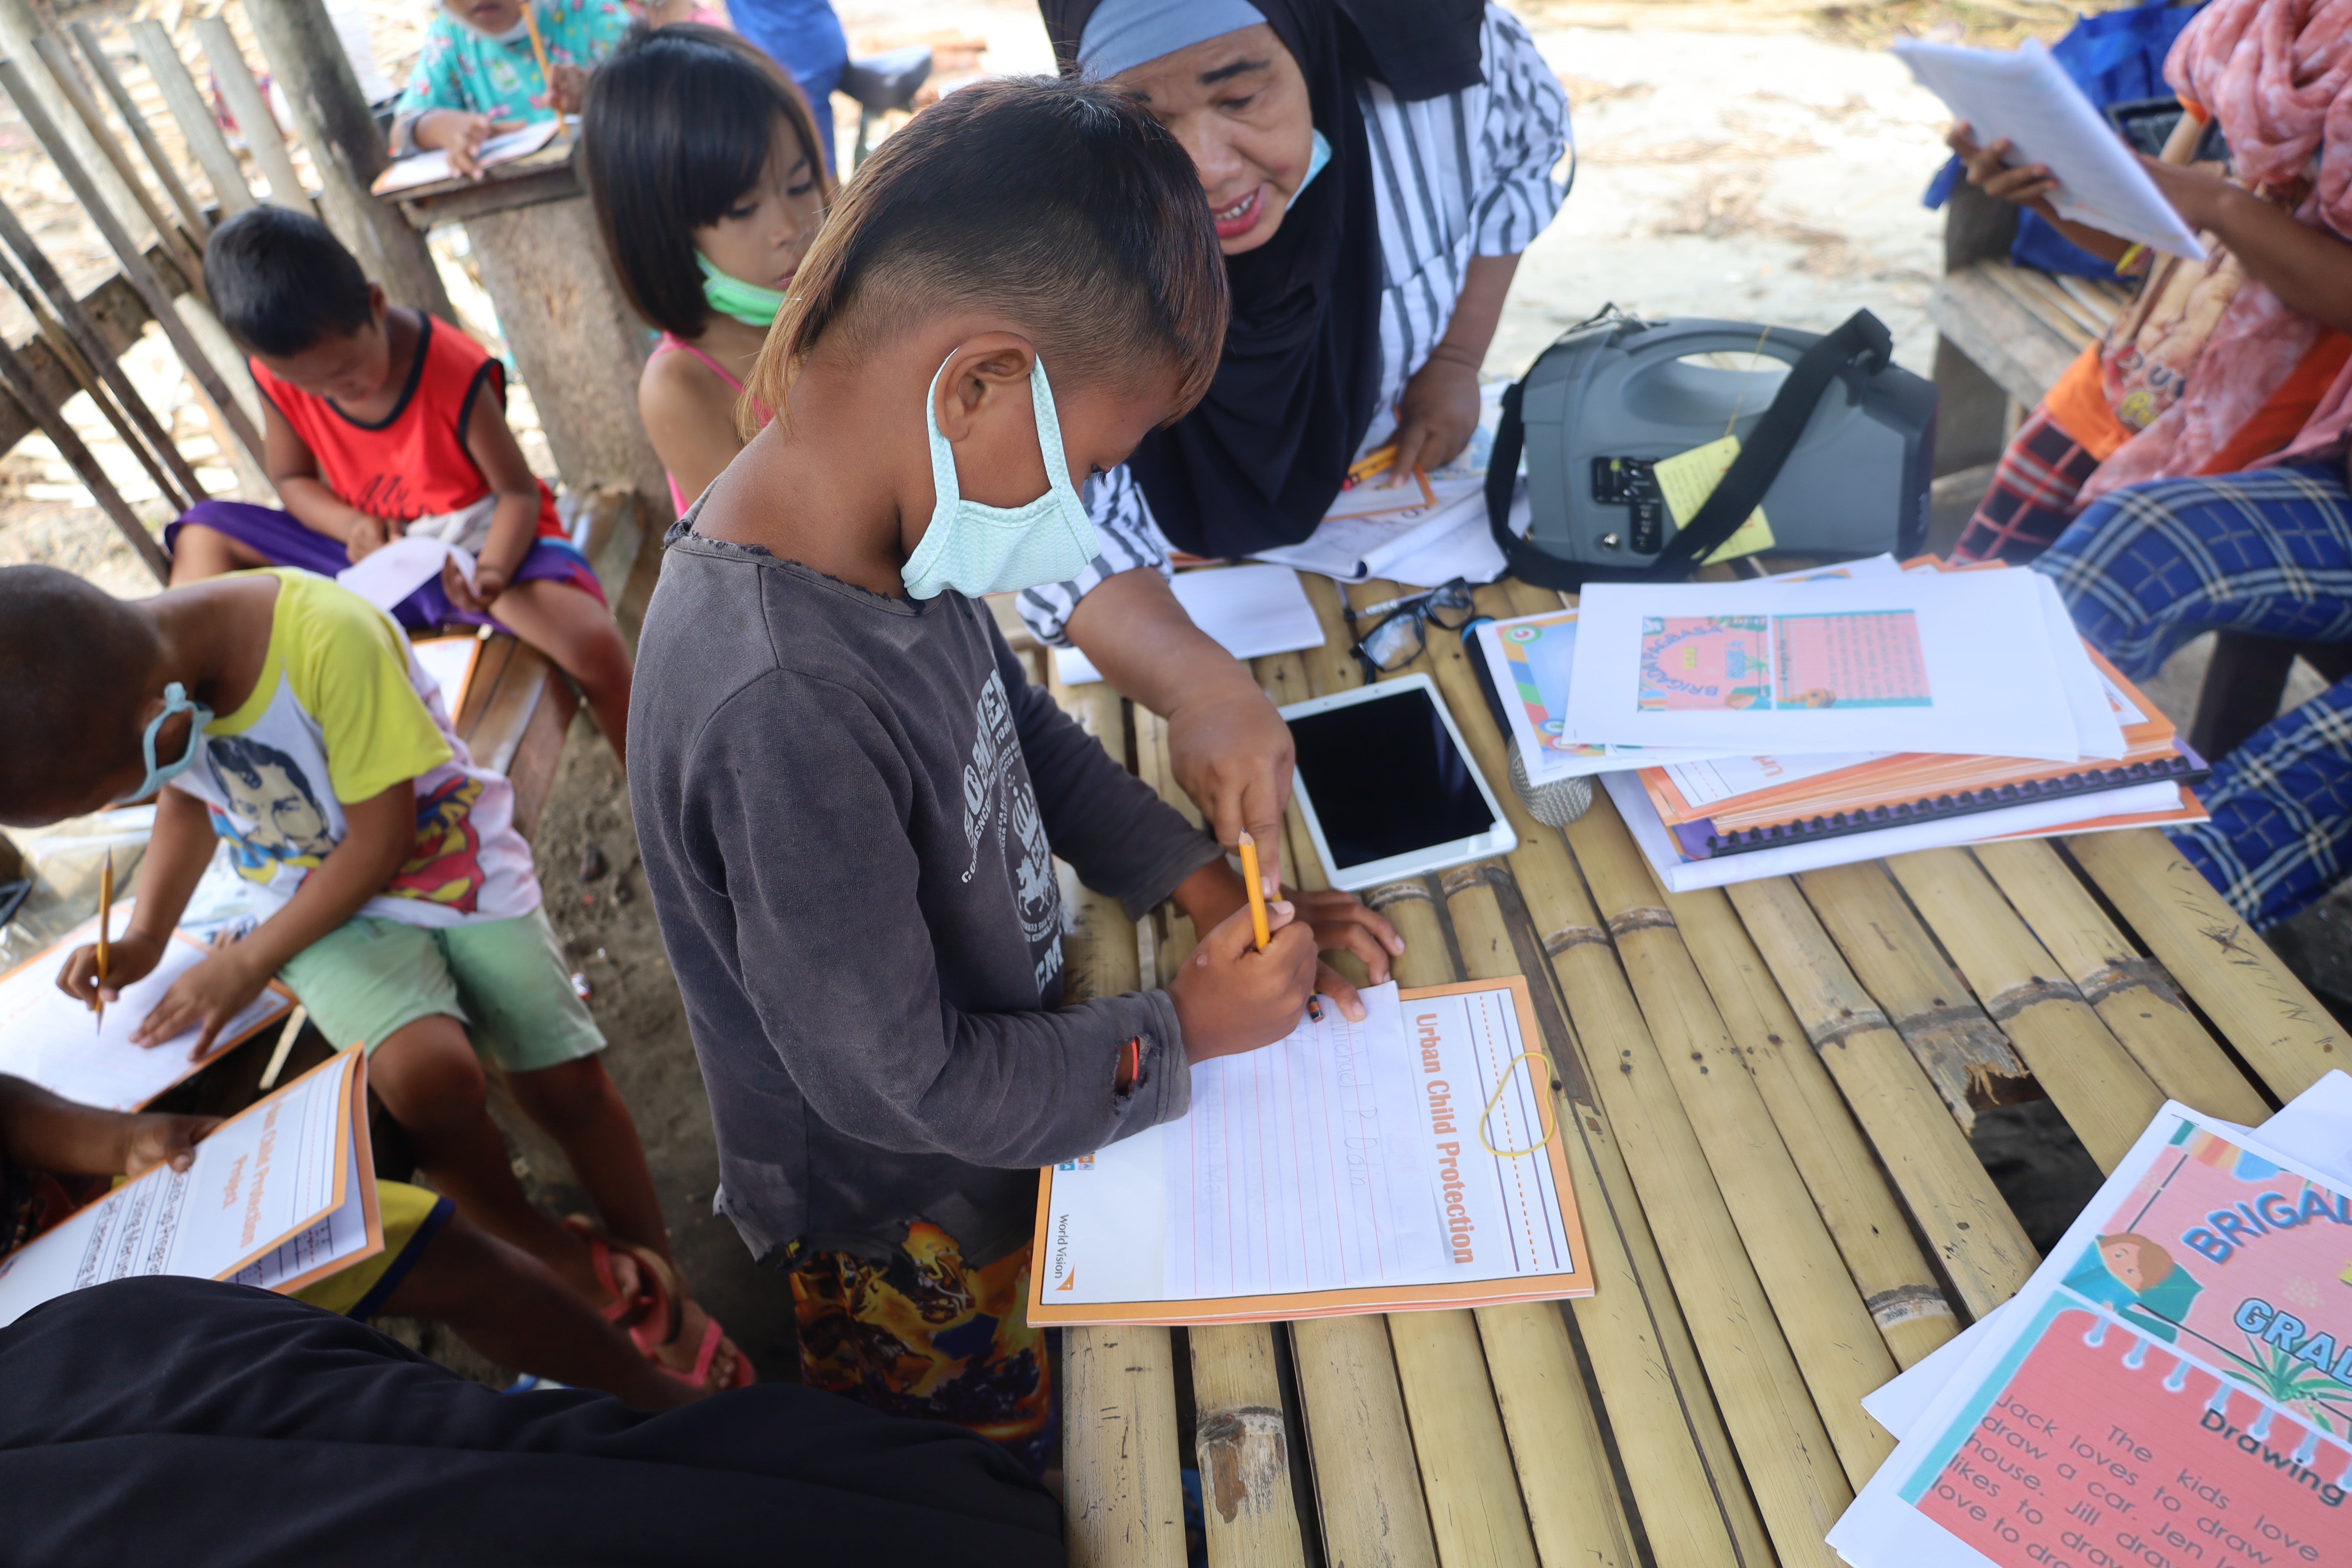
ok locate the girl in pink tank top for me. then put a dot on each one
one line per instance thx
(704, 168)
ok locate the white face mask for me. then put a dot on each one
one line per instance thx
(977, 549)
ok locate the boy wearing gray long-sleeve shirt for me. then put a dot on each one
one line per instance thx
(847, 793)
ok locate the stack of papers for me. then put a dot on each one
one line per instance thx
(1754, 729)
(2173, 1385)
(1410, 1161)
(432, 168)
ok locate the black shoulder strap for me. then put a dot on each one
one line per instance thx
(1863, 340)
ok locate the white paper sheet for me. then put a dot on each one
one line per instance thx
(48, 1038)
(2024, 95)
(1346, 1156)
(431, 168)
(1957, 662)
(386, 577)
(1682, 876)
(450, 662)
(1354, 547)
(2096, 724)
(341, 1235)
(258, 1177)
(1248, 611)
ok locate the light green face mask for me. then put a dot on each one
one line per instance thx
(731, 295)
(977, 549)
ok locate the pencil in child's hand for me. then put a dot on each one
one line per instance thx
(539, 50)
(105, 918)
(1255, 880)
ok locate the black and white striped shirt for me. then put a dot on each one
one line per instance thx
(1462, 175)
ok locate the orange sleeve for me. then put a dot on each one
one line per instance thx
(2077, 403)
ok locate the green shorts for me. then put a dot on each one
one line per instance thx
(504, 980)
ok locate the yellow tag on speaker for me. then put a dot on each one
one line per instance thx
(1687, 479)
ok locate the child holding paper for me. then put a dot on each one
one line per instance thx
(282, 712)
(850, 798)
(498, 1299)
(382, 421)
(483, 71)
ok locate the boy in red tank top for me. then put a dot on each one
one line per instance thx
(382, 421)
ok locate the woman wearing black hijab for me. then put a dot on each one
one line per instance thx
(1375, 167)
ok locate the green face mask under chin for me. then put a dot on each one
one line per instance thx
(731, 295)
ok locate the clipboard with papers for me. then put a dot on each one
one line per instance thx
(279, 1196)
(1411, 1160)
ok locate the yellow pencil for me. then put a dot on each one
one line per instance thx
(547, 77)
(1371, 463)
(105, 918)
(1256, 882)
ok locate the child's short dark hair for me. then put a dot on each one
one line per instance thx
(74, 662)
(1059, 202)
(283, 283)
(678, 123)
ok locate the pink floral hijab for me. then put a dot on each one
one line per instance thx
(2277, 74)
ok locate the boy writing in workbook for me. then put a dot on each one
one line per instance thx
(382, 421)
(285, 714)
(504, 1303)
(850, 797)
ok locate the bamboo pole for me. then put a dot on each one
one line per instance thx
(1367, 1484)
(1695, 1505)
(1829, 1332)
(76, 94)
(20, 28)
(68, 355)
(2261, 1008)
(1330, 667)
(1968, 1225)
(231, 193)
(1573, 1508)
(192, 213)
(135, 269)
(1125, 1505)
(1475, 1507)
(2132, 994)
(2093, 1080)
(1967, 1057)
(262, 137)
(1242, 1449)
(152, 442)
(1864, 1217)
(18, 378)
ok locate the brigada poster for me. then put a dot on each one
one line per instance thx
(2176, 1389)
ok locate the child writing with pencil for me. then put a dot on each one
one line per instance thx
(490, 65)
(284, 713)
(850, 797)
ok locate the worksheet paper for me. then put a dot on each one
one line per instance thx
(1533, 659)
(431, 168)
(2024, 95)
(1345, 1168)
(1956, 662)
(248, 1205)
(1680, 875)
(48, 1038)
(450, 662)
(1248, 611)
(384, 577)
(2176, 1375)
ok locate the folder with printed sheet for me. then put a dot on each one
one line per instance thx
(1739, 804)
(1410, 1161)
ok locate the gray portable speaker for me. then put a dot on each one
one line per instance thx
(1609, 399)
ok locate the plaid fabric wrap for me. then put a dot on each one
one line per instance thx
(2267, 552)
(2031, 499)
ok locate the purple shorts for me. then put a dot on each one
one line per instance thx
(286, 543)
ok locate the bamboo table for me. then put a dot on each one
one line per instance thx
(1767, 1091)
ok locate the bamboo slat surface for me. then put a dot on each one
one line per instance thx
(1764, 1094)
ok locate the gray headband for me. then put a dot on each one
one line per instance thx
(1124, 34)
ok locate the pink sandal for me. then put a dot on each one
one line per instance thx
(624, 1310)
(659, 1328)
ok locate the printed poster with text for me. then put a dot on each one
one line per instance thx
(1858, 658)
(2182, 1392)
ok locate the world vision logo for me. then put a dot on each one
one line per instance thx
(1071, 1280)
